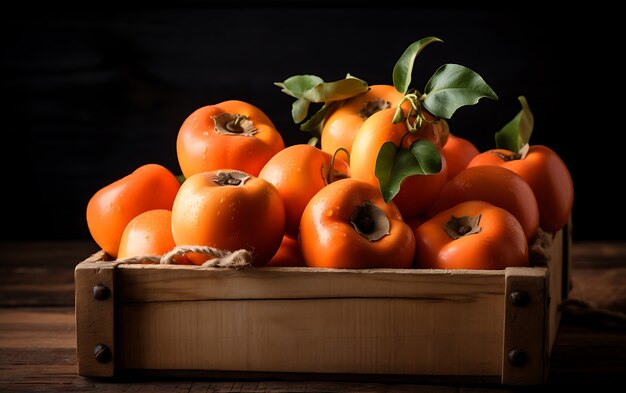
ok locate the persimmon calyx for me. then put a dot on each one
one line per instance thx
(514, 156)
(234, 124)
(373, 106)
(231, 178)
(457, 227)
(370, 221)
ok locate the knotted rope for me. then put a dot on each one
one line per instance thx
(222, 258)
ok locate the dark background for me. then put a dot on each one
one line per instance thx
(90, 95)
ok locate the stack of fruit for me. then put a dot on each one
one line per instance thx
(389, 187)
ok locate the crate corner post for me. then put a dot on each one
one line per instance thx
(525, 346)
(95, 317)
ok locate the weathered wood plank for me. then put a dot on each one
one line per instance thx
(525, 325)
(351, 335)
(95, 318)
(149, 283)
(37, 328)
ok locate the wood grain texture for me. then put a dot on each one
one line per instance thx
(38, 344)
(40, 273)
(95, 318)
(347, 335)
(525, 327)
(151, 283)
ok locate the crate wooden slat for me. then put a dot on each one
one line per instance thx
(303, 320)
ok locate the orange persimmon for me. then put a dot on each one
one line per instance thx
(341, 127)
(149, 234)
(229, 210)
(111, 208)
(471, 235)
(498, 186)
(298, 172)
(347, 224)
(229, 135)
(546, 174)
(417, 193)
(458, 153)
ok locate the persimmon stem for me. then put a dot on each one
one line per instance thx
(415, 117)
(329, 173)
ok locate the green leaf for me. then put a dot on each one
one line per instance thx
(404, 67)
(516, 133)
(295, 86)
(180, 178)
(398, 115)
(316, 122)
(299, 110)
(393, 165)
(313, 141)
(453, 86)
(335, 91)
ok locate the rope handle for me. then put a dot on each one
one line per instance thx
(222, 258)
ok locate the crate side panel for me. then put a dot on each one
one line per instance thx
(157, 283)
(341, 335)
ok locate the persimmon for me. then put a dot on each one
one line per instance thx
(229, 135)
(347, 224)
(111, 208)
(298, 172)
(546, 174)
(458, 153)
(149, 234)
(288, 254)
(341, 126)
(471, 235)
(417, 193)
(498, 186)
(229, 210)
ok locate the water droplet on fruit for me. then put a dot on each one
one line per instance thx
(329, 213)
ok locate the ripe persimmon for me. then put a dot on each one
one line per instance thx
(417, 193)
(288, 254)
(111, 208)
(149, 234)
(298, 172)
(546, 174)
(229, 135)
(347, 224)
(229, 210)
(471, 235)
(498, 186)
(342, 125)
(458, 153)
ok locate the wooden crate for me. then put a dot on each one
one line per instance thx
(490, 325)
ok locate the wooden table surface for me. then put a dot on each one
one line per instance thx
(38, 343)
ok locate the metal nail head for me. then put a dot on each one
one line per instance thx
(519, 298)
(102, 353)
(517, 357)
(100, 292)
